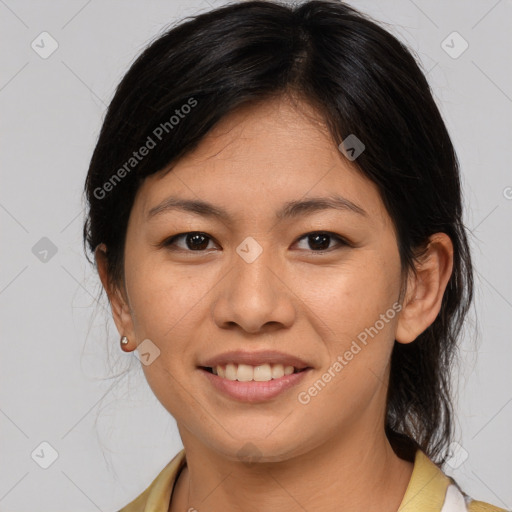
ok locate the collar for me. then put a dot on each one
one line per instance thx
(427, 487)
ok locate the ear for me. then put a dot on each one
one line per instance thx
(121, 311)
(425, 290)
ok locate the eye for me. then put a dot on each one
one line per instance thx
(319, 241)
(194, 241)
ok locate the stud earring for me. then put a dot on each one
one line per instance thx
(124, 342)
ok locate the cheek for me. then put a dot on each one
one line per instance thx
(352, 296)
(165, 300)
(167, 304)
(358, 318)
(359, 345)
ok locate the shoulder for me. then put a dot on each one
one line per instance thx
(432, 490)
(480, 506)
(468, 503)
(156, 496)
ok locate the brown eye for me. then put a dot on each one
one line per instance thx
(194, 241)
(320, 241)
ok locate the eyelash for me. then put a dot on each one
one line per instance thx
(169, 242)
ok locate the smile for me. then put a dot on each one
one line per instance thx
(247, 373)
(252, 390)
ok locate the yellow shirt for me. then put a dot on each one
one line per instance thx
(429, 490)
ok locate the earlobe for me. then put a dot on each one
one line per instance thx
(120, 308)
(425, 289)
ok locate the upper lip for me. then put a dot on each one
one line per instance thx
(255, 358)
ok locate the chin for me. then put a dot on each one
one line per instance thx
(260, 450)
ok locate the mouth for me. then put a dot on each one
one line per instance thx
(253, 384)
(247, 373)
(254, 376)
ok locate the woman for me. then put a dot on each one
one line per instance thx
(275, 214)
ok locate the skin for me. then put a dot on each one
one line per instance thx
(194, 304)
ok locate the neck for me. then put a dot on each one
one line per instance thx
(340, 475)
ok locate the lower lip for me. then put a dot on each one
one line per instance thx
(254, 391)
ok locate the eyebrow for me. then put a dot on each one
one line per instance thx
(289, 210)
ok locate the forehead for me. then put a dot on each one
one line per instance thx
(259, 157)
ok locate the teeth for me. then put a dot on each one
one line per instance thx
(247, 373)
(262, 373)
(277, 371)
(230, 372)
(244, 373)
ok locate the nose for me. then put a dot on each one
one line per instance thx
(255, 295)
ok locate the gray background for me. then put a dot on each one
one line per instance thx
(59, 363)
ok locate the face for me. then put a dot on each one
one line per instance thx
(314, 287)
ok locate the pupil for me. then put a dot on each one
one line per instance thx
(320, 236)
(195, 246)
